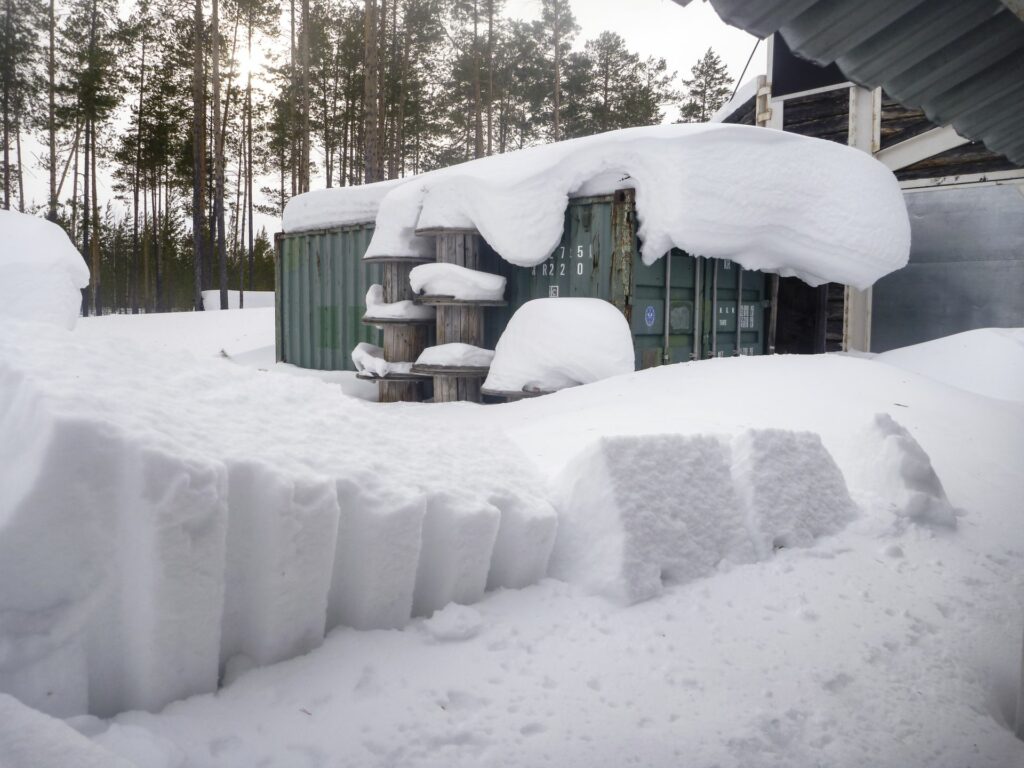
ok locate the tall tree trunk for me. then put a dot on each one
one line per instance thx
(558, 77)
(51, 125)
(218, 161)
(198, 155)
(248, 150)
(490, 76)
(371, 151)
(6, 75)
(158, 304)
(133, 271)
(97, 299)
(86, 217)
(21, 174)
(381, 90)
(478, 123)
(293, 153)
(304, 139)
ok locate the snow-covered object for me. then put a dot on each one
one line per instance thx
(456, 354)
(456, 281)
(144, 545)
(369, 358)
(458, 538)
(637, 512)
(770, 200)
(30, 739)
(253, 300)
(791, 488)
(898, 471)
(378, 309)
(987, 361)
(335, 207)
(552, 344)
(41, 271)
(743, 94)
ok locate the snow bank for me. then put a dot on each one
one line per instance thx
(378, 309)
(987, 361)
(640, 512)
(791, 488)
(30, 739)
(897, 471)
(253, 300)
(551, 344)
(147, 549)
(769, 200)
(456, 354)
(456, 281)
(41, 271)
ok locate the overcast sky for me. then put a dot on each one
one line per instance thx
(660, 28)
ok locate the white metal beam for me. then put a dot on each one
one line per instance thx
(920, 147)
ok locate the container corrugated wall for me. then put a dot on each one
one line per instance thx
(321, 296)
(599, 257)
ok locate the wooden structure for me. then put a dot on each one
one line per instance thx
(404, 339)
(458, 320)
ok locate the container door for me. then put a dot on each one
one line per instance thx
(649, 307)
(734, 308)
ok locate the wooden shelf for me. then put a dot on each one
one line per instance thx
(364, 376)
(515, 395)
(456, 371)
(398, 321)
(451, 301)
(400, 260)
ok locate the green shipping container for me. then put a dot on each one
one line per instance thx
(599, 257)
(321, 296)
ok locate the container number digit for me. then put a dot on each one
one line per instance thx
(579, 268)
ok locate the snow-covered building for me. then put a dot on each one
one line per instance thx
(447, 257)
(933, 90)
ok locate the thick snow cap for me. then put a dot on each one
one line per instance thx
(772, 201)
(552, 344)
(41, 271)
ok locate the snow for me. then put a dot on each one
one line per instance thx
(144, 543)
(253, 299)
(988, 361)
(369, 358)
(378, 309)
(456, 354)
(41, 271)
(770, 200)
(551, 344)
(335, 207)
(138, 482)
(456, 281)
(742, 95)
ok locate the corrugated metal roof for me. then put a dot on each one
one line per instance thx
(961, 61)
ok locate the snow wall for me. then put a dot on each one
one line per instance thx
(165, 517)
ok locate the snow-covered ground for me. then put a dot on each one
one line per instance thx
(893, 640)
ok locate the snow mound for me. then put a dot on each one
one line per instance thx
(640, 512)
(552, 344)
(378, 309)
(770, 200)
(897, 470)
(369, 358)
(987, 361)
(791, 487)
(144, 545)
(456, 281)
(454, 623)
(30, 739)
(335, 207)
(456, 354)
(41, 271)
(253, 300)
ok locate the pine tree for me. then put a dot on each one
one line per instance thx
(706, 90)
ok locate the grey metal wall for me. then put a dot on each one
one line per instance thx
(966, 267)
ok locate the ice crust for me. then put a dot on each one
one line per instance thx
(637, 513)
(456, 281)
(143, 544)
(770, 200)
(41, 271)
(551, 344)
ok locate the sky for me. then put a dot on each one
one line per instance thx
(660, 28)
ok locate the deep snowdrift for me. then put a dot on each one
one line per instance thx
(988, 361)
(769, 200)
(163, 515)
(41, 271)
(893, 643)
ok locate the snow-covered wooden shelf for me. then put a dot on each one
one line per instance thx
(451, 301)
(457, 371)
(398, 321)
(398, 259)
(392, 376)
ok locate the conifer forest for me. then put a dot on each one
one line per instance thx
(162, 130)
